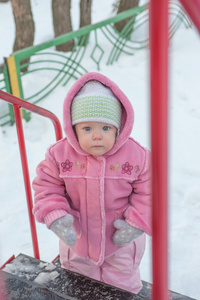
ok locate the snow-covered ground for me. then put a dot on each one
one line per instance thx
(132, 75)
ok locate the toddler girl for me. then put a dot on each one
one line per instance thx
(93, 188)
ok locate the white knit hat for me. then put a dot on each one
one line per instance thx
(96, 103)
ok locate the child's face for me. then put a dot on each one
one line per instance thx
(96, 138)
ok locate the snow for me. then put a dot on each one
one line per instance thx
(19, 269)
(23, 267)
(44, 278)
(131, 73)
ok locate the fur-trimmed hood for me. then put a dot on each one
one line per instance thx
(127, 111)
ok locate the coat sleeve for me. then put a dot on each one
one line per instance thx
(49, 192)
(138, 214)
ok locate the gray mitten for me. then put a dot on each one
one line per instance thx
(126, 233)
(64, 229)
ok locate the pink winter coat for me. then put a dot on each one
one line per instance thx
(95, 190)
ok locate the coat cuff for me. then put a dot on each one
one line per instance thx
(134, 218)
(54, 215)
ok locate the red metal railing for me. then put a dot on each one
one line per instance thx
(192, 8)
(159, 108)
(17, 104)
(159, 146)
(7, 262)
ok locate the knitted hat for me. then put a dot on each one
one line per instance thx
(96, 103)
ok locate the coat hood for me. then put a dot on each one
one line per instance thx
(127, 111)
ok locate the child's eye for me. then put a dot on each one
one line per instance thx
(87, 128)
(106, 128)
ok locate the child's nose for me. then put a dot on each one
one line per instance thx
(97, 135)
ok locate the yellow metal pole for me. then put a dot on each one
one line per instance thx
(12, 72)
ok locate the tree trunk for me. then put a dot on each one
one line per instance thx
(25, 29)
(1, 1)
(85, 14)
(125, 5)
(62, 22)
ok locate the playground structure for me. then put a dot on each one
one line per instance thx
(159, 74)
(87, 50)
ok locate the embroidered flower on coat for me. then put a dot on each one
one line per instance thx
(126, 168)
(67, 165)
(111, 168)
(83, 166)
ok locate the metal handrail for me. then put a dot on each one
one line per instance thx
(159, 137)
(192, 8)
(159, 145)
(17, 104)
